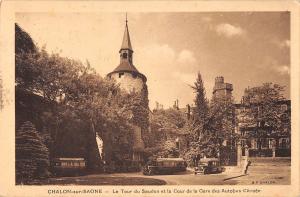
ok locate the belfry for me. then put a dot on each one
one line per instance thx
(126, 74)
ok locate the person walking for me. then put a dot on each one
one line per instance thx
(246, 166)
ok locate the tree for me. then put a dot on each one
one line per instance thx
(213, 124)
(221, 138)
(166, 126)
(32, 156)
(201, 109)
(222, 118)
(262, 114)
(169, 149)
(199, 126)
(80, 103)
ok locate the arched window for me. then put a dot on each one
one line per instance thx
(124, 55)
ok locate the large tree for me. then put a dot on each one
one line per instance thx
(79, 101)
(262, 115)
(213, 124)
(166, 126)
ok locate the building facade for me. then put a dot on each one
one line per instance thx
(260, 139)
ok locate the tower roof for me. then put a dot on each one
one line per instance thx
(126, 44)
(126, 64)
(127, 67)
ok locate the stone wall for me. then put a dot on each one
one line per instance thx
(128, 81)
(222, 89)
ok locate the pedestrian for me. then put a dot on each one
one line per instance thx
(248, 163)
(194, 160)
(197, 159)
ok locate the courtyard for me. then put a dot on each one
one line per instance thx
(263, 171)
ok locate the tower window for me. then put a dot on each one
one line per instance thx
(120, 75)
(134, 75)
(125, 55)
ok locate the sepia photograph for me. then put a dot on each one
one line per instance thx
(117, 102)
(153, 98)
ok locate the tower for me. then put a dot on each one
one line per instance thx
(126, 74)
(221, 89)
(130, 80)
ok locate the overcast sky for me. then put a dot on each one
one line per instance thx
(247, 48)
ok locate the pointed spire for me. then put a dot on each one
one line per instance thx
(126, 44)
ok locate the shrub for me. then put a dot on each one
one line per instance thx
(32, 156)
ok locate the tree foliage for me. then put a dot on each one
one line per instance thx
(80, 102)
(213, 123)
(263, 113)
(201, 108)
(32, 156)
(166, 126)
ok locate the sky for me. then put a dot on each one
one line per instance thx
(170, 48)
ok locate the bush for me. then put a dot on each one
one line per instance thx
(32, 156)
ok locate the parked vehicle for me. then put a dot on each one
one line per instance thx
(165, 166)
(209, 166)
(68, 166)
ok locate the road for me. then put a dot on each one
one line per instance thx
(185, 178)
(260, 173)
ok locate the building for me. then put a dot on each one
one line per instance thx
(221, 89)
(126, 74)
(259, 139)
(130, 80)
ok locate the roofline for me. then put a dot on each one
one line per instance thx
(129, 71)
(131, 50)
(284, 101)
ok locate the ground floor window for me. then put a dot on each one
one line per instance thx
(270, 143)
(283, 143)
(264, 143)
(254, 143)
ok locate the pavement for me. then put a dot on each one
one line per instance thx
(269, 172)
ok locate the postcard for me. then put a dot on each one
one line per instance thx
(149, 98)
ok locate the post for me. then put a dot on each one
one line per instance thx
(273, 148)
(239, 153)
